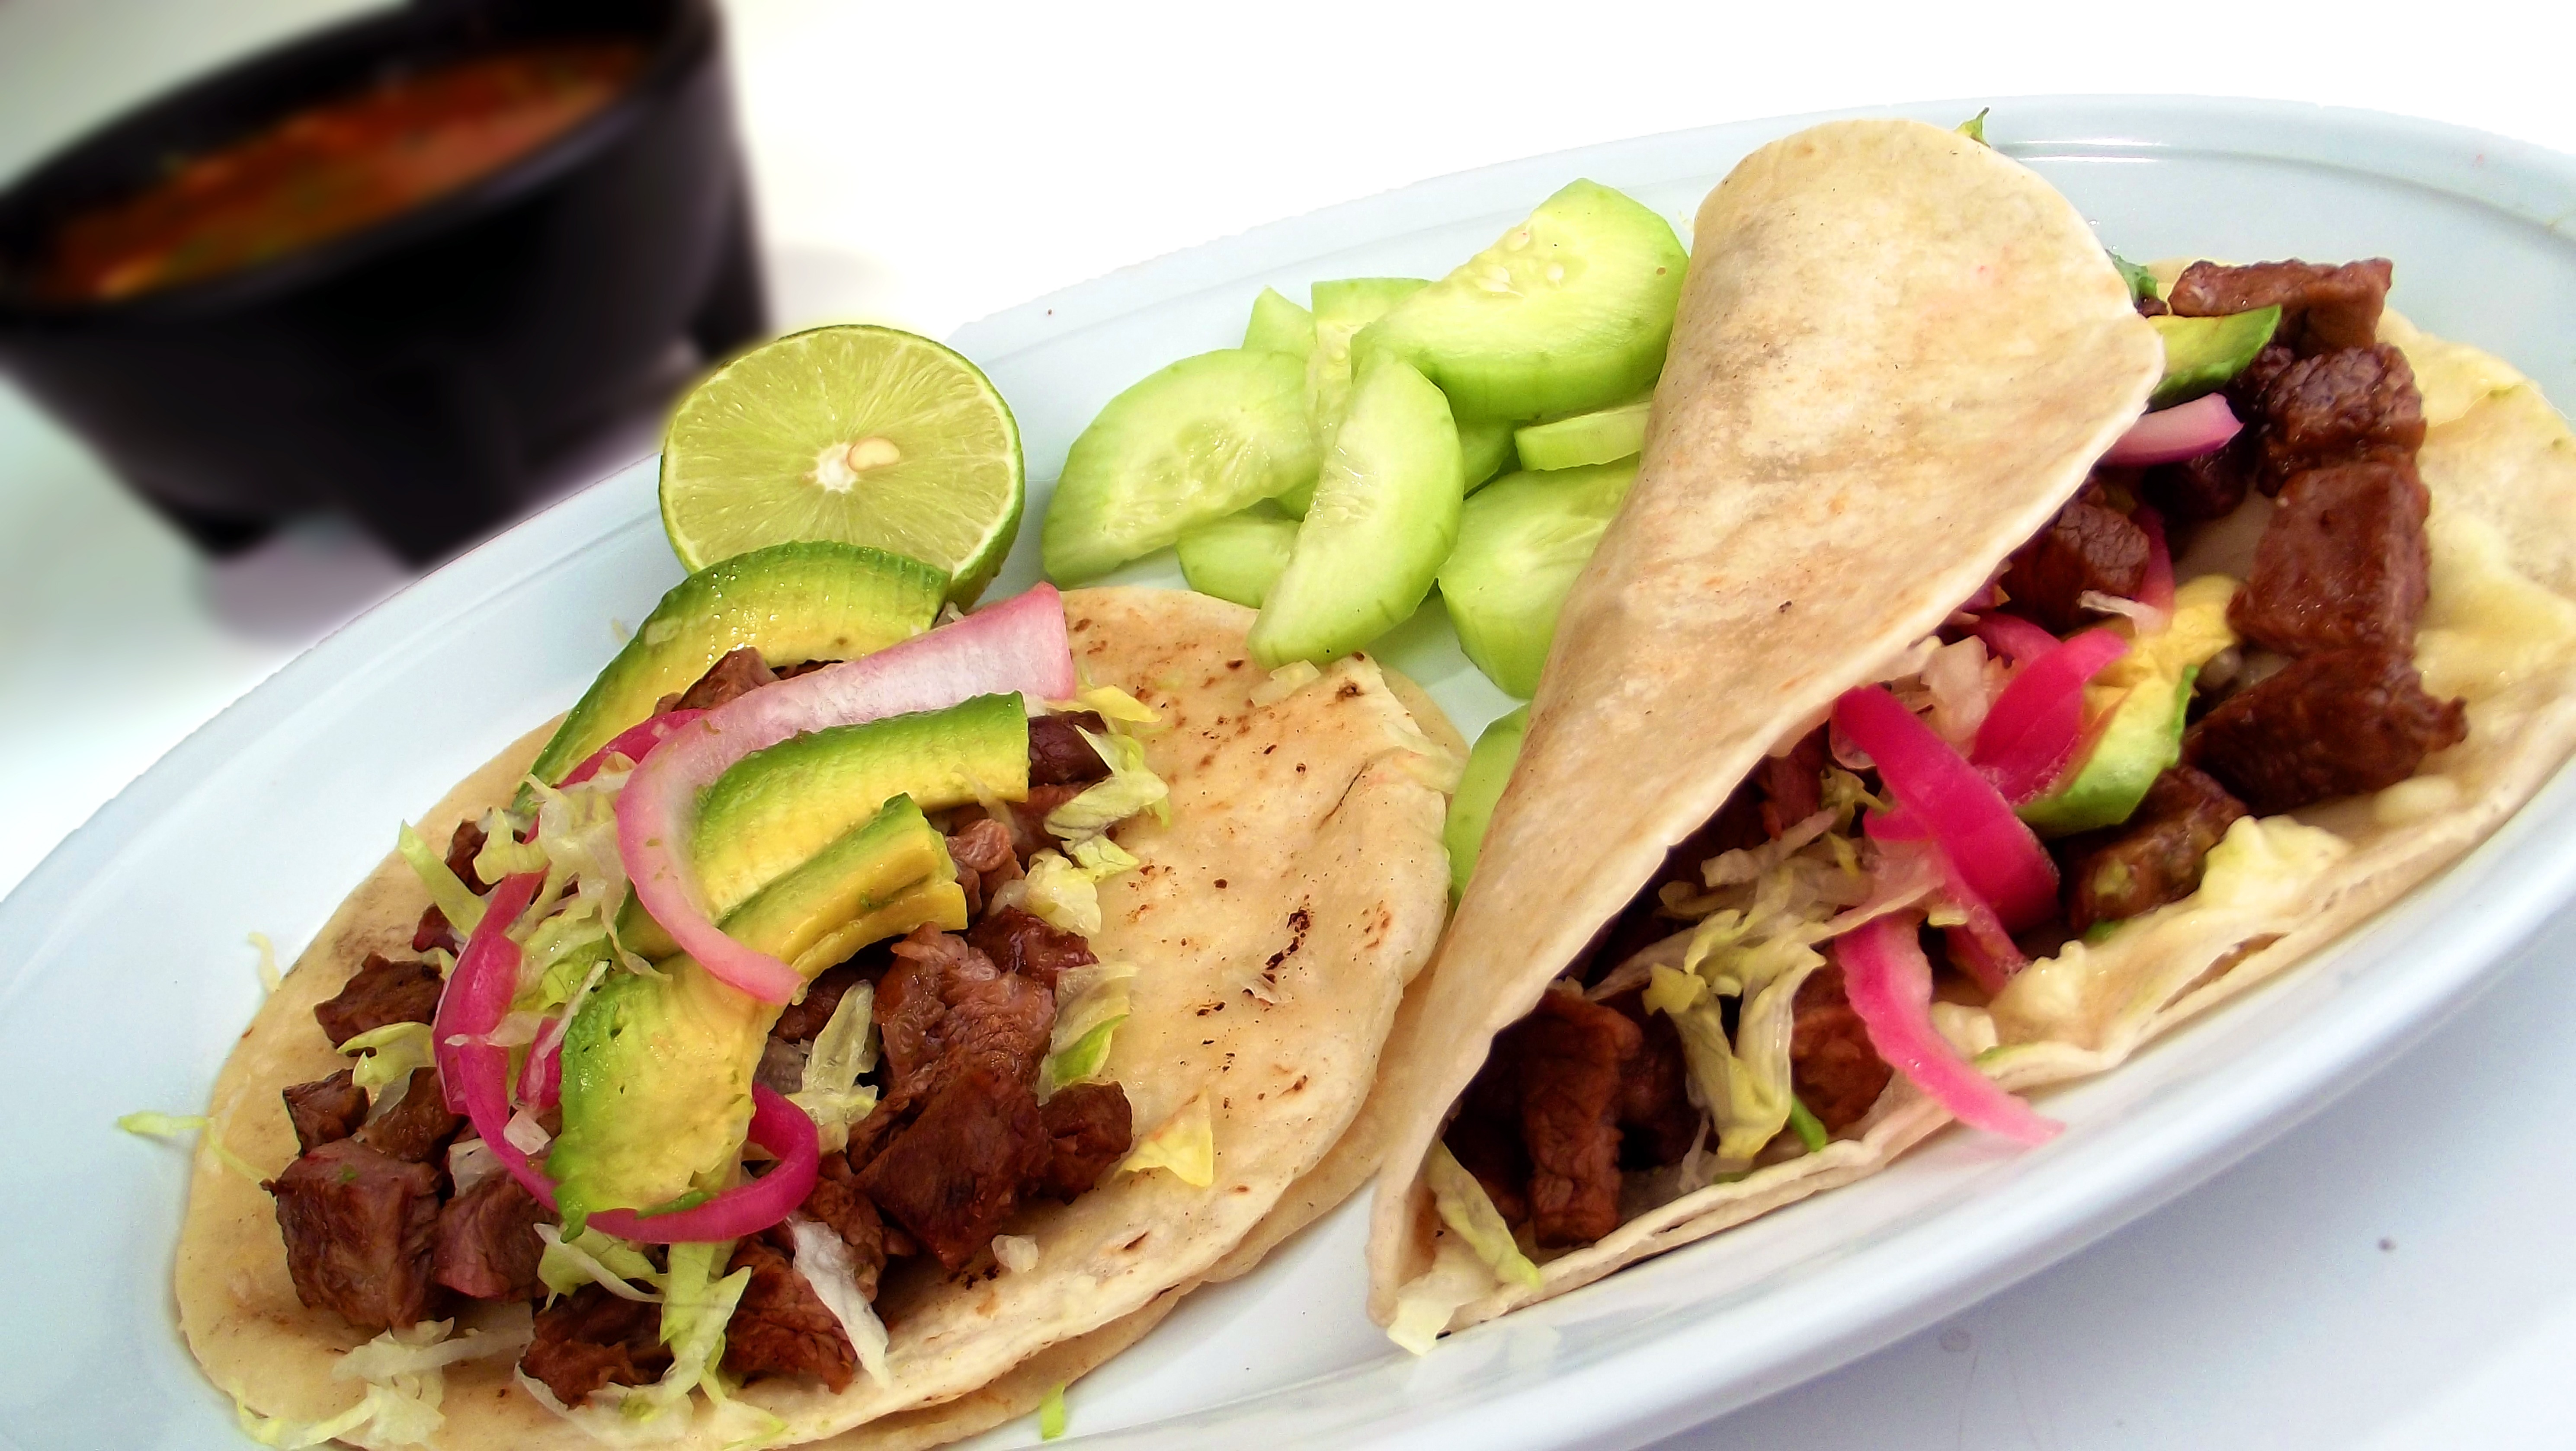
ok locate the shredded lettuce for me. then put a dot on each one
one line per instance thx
(593, 1258)
(503, 854)
(831, 1094)
(1809, 1129)
(1117, 707)
(470, 1162)
(462, 909)
(1132, 787)
(1470, 1214)
(1974, 128)
(269, 976)
(151, 1124)
(1091, 1001)
(1184, 1147)
(1425, 1304)
(405, 1375)
(389, 1054)
(823, 1258)
(1286, 681)
(1015, 1252)
(1051, 1417)
(695, 1308)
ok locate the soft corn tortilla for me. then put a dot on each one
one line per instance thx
(1276, 919)
(1727, 515)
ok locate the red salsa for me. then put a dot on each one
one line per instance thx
(335, 167)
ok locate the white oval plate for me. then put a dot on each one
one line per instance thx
(124, 975)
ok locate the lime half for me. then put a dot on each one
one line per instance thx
(857, 434)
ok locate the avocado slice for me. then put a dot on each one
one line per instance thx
(2203, 353)
(657, 1071)
(810, 600)
(2141, 741)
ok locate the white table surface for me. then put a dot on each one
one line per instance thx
(2394, 1273)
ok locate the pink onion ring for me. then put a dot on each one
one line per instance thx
(2157, 588)
(2030, 733)
(2186, 430)
(747, 1208)
(476, 1074)
(1981, 945)
(1890, 986)
(1997, 858)
(541, 1076)
(634, 743)
(1018, 645)
(2013, 637)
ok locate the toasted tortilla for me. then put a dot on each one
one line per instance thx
(1276, 919)
(2499, 630)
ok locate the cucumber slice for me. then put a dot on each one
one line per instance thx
(1603, 436)
(1489, 770)
(1521, 541)
(1569, 311)
(1187, 446)
(1279, 326)
(1484, 450)
(1385, 514)
(1239, 556)
(1342, 308)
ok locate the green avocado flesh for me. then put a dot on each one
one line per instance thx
(1569, 311)
(1605, 435)
(1521, 541)
(2142, 741)
(1188, 445)
(657, 1071)
(1239, 556)
(1489, 768)
(2203, 353)
(795, 602)
(1279, 326)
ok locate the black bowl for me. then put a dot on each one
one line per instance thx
(420, 373)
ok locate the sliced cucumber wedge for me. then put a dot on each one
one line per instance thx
(1570, 311)
(1489, 769)
(1342, 308)
(1279, 326)
(1385, 513)
(1187, 446)
(1521, 541)
(1484, 450)
(1239, 556)
(1603, 436)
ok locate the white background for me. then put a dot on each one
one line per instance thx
(2396, 1272)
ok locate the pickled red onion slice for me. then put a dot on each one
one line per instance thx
(1018, 645)
(2013, 637)
(1889, 983)
(541, 1076)
(634, 743)
(1980, 945)
(2031, 731)
(475, 1073)
(2186, 430)
(1996, 857)
(747, 1208)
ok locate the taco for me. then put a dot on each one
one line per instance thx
(1092, 934)
(1970, 690)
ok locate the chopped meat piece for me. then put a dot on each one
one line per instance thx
(591, 1338)
(2086, 547)
(781, 1327)
(2151, 307)
(944, 1008)
(2322, 307)
(2329, 725)
(2348, 404)
(1059, 756)
(2342, 563)
(433, 932)
(1832, 1067)
(360, 1228)
(2207, 487)
(418, 1125)
(2154, 857)
(1485, 1138)
(803, 667)
(956, 1173)
(463, 846)
(1026, 943)
(1092, 1128)
(1570, 1055)
(1656, 1120)
(325, 1109)
(984, 857)
(804, 1019)
(738, 674)
(1792, 785)
(382, 991)
(1027, 825)
(487, 1241)
(872, 1133)
(2245, 390)
(837, 1202)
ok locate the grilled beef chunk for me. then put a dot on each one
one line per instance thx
(985, 860)
(2347, 404)
(944, 1008)
(804, 1019)
(1023, 942)
(382, 991)
(2208, 487)
(2322, 307)
(955, 1174)
(781, 1327)
(837, 1202)
(463, 846)
(1792, 786)
(2332, 724)
(1091, 1128)
(1656, 1121)
(1832, 1067)
(1570, 1056)
(2087, 547)
(487, 1241)
(738, 674)
(360, 1228)
(591, 1338)
(325, 1109)
(417, 1126)
(433, 932)
(2342, 563)
(1027, 819)
(2154, 857)
(1059, 756)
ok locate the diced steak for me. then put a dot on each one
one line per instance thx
(2154, 857)
(2348, 404)
(1657, 1123)
(487, 1241)
(2087, 546)
(780, 1326)
(591, 1338)
(837, 1202)
(360, 1229)
(418, 1125)
(984, 857)
(2206, 487)
(740, 672)
(463, 846)
(1570, 1055)
(955, 1174)
(1092, 1128)
(2322, 307)
(382, 991)
(1832, 1067)
(2343, 562)
(1792, 786)
(1025, 943)
(1059, 756)
(325, 1109)
(945, 1008)
(2332, 724)
(433, 932)
(803, 1019)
